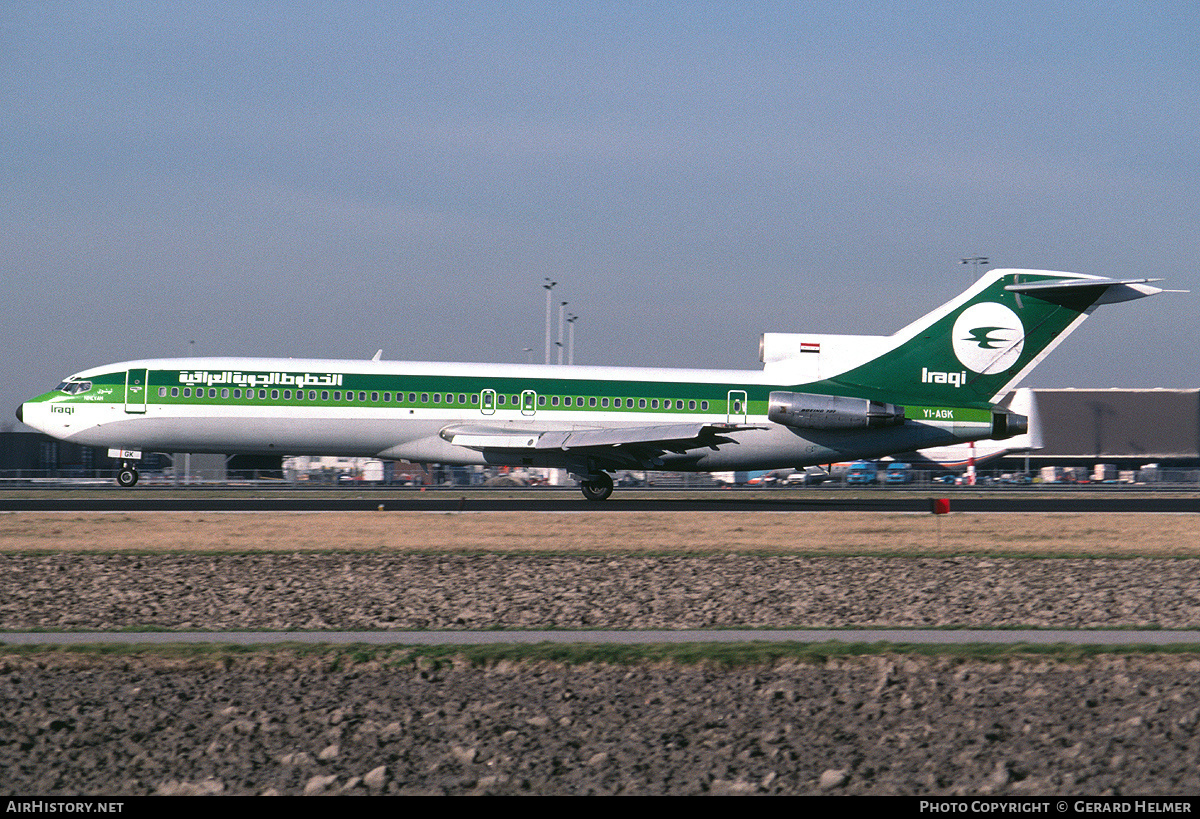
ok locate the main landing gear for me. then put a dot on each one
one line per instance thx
(597, 487)
(127, 475)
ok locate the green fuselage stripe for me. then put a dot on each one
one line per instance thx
(418, 391)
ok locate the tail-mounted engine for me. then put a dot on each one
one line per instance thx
(811, 411)
(1008, 425)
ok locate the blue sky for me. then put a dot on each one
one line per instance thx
(325, 179)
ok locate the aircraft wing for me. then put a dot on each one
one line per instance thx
(618, 444)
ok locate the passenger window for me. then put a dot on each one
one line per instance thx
(653, 403)
(641, 403)
(704, 405)
(174, 392)
(462, 398)
(553, 401)
(324, 395)
(162, 392)
(437, 398)
(287, 395)
(592, 401)
(679, 404)
(691, 405)
(262, 394)
(424, 398)
(224, 392)
(274, 395)
(604, 402)
(387, 398)
(374, 398)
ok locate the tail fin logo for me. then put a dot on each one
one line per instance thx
(982, 335)
(988, 337)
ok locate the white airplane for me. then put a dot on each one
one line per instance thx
(819, 399)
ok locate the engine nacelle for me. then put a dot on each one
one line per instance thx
(811, 411)
(1008, 425)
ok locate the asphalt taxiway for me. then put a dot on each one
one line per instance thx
(201, 500)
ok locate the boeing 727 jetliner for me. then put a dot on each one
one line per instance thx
(818, 399)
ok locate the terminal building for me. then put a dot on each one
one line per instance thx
(1128, 428)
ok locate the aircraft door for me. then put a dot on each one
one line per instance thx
(528, 402)
(737, 407)
(136, 389)
(487, 402)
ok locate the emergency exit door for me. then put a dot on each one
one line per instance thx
(136, 385)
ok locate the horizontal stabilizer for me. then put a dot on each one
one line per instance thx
(1063, 284)
(1117, 290)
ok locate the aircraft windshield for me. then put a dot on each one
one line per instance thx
(74, 387)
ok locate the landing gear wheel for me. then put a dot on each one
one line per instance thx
(597, 487)
(127, 476)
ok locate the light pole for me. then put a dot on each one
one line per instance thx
(571, 340)
(561, 307)
(977, 261)
(549, 285)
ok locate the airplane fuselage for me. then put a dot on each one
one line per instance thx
(398, 410)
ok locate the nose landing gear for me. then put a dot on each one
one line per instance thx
(127, 475)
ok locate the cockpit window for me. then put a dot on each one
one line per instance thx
(74, 387)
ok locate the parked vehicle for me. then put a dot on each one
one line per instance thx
(898, 473)
(862, 473)
(809, 476)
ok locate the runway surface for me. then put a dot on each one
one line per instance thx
(927, 637)
(154, 500)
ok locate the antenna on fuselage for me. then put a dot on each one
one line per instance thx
(378, 355)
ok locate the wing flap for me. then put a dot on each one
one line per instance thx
(668, 436)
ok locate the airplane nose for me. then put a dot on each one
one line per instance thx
(19, 408)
